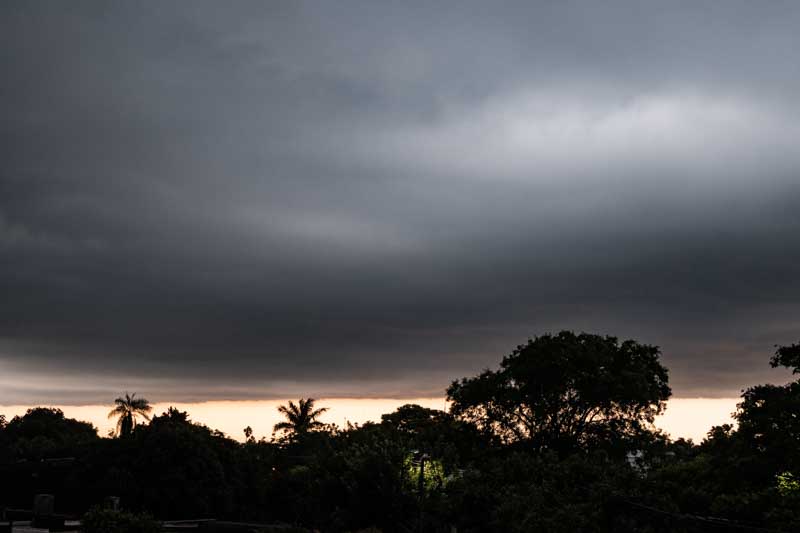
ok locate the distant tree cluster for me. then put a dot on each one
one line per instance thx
(558, 438)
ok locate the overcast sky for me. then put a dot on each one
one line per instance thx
(251, 200)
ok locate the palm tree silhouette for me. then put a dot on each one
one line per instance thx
(126, 410)
(300, 418)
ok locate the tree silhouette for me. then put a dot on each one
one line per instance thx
(565, 391)
(127, 409)
(788, 356)
(300, 418)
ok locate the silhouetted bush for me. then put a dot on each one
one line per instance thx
(99, 520)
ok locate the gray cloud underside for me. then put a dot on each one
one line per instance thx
(261, 199)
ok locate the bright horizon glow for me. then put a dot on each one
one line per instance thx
(684, 417)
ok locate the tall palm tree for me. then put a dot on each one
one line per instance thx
(300, 419)
(127, 409)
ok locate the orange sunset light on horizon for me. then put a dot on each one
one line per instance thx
(684, 417)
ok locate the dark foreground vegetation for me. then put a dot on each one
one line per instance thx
(558, 438)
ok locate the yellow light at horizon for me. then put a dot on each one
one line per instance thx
(684, 417)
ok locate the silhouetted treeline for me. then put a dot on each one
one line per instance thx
(558, 438)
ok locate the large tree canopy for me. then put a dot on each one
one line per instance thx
(565, 391)
(43, 432)
(769, 416)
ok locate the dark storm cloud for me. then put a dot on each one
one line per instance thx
(204, 201)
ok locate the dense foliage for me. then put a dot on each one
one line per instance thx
(558, 439)
(565, 392)
(100, 520)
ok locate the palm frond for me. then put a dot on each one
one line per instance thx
(283, 426)
(141, 403)
(117, 411)
(318, 412)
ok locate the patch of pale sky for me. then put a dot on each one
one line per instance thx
(542, 136)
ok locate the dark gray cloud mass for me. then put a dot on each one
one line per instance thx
(258, 199)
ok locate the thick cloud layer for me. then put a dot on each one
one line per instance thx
(253, 200)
